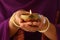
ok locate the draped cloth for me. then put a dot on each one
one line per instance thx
(23, 35)
(19, 35)
(47, 8)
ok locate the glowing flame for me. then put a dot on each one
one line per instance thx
(30, 12)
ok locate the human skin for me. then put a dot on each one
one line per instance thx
(50, 33)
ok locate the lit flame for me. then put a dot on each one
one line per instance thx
(30, 12)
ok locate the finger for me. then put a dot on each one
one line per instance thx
(28, 28)
(43, 20)
(18, 18)
(36, 23)
(29, 23)
(20, 12)
(24, 26)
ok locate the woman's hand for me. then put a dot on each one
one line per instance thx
(26, 26)
(16, 23)
(47, 28)
(44, 24)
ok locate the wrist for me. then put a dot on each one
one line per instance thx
(13, 22)
(45, 27)
(13, 28)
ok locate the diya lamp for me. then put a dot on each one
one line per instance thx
(30, 17)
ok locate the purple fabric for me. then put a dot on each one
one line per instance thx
(4, 30)
(7, 7)
(58, 31)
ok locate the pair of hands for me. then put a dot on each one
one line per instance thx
(26, 26)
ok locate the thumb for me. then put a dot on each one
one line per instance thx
(18, 19)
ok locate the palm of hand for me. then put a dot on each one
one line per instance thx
(28, 26)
